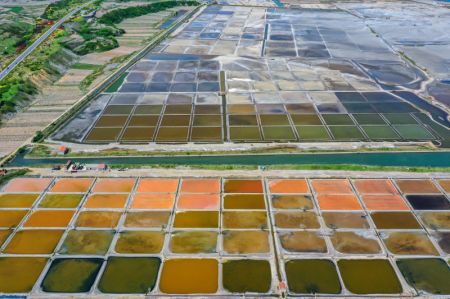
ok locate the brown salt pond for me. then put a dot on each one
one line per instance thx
(11, 218)
(198, 201)
(302, 242)
(245, 242)
(296, 220)
(410, 243)
(385, 202)
(200, 186)
(375, 187)
(19, 274)
(303, 202)
(340, 186)
(14, 200)
(113, 185)
(196, 219)
(417, 186)
(61, 201)
(445, 184)
(244, 201)
(153, 201)
(34, 242)
(98, 219)
(72, 185)
(243, 186)
(147, 219)
(47, 218)
(355, 243)
(27, 185)
(157, 185)
(140, 242)
(193, 242)
(93, 242)
(189, 276)
(107, 201)
(395, 220)
(288, 186)
(436, 220)
(338, 220)
(338, 202)
(244, 219)
(443, 241)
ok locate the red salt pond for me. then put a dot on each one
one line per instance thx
(384, 202)
(27, 185)
(158, 185)
(200, 186)
(198, 201)
(341, 186)
(375, 187)
(288, 186)
(338, 202)
(72, 185)
(153, 201)
(114, 185)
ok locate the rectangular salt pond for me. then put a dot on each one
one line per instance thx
(229, 229)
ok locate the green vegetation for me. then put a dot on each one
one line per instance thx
(12, 174)
(84, 66)
(118, 15)
(59, 9)
(16, 9)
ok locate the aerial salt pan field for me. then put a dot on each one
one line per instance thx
(225, 236)
(261, 74)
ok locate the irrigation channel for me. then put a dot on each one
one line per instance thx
(404, 159)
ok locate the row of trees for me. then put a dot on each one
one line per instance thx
(118, 15)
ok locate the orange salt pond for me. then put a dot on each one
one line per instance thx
(243, 186)
(34, 241)
(200, 186)
(288, 186)
(244, 219)
(384, 202)
(17, 200)
(375, 187)
(147, 219)
(417, 186)
(114, 185)
(72, 185)
(27, 185)
(292, 202)
(189, 276)
(340, 186)
(198, 201)
(11, 218)
(338, 202)
(153, 201)
(98, 219)
(4, 234)
(45, 218)
(107, 201)
(19, 274)
(158, 185)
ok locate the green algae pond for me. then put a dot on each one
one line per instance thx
(129, 275)
(312, 276)
(369, 276)
(242, 276)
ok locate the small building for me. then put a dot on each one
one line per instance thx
(95, 167)
(62, 150)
